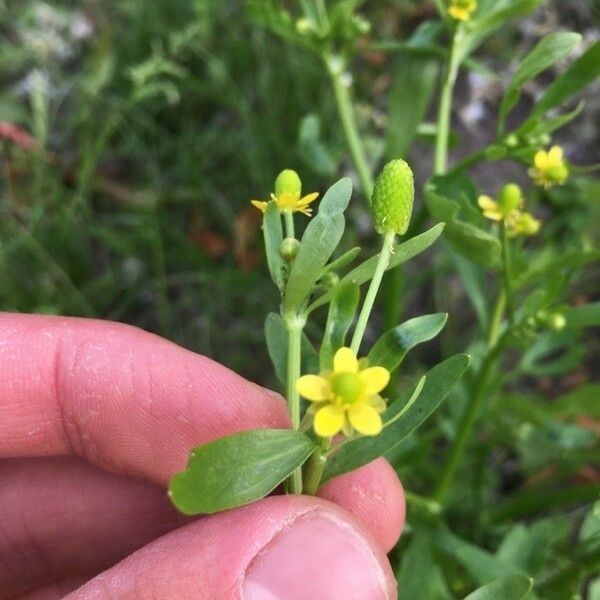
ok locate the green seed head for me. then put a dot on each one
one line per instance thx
(289, 182)
(393, 197)
(510, 198)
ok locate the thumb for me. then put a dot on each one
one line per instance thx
(288, 547)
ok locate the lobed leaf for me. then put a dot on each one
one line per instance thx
(238, 469)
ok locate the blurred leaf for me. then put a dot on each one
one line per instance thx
(419, 576)
(583, 400)
(549, 50)
(585, 315)
(467, 239)
(318, 243)
(402, 252)
(311, 147)
(581, 72)
(409, 100)
(513, 587)
(341, 314)
(273, 236)
(527, 547)
(475, 285)
(391, 348)
(551, 355)
(403, 419)
(238, 469)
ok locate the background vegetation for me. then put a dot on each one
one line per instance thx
(133, 135)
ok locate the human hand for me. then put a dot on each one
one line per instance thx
(95, 418)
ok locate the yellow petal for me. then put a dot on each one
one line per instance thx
(375, 379)
(555, 155)
(345, 361)
(540, 160)
(260, 204)
(313, 387)
(365, 419)
(287, 201)
(329, 420)
(308, 199)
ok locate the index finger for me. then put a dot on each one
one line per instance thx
(124, 399)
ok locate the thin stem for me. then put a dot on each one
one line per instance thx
(496, 319)
(315, 469)
(367, 307)
(335, 67)
(467, 420)
(288, 219)
(506, 281)
(445, 109)
(294, 328)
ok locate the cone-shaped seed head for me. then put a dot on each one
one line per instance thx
(393, 197)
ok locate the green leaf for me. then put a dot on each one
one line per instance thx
(586, 315)
(391, 348)
(403, 419)
(513, 587)
(273, 235)
(319, 241)
(238, 469)
(342, 261)
(312, 148)
(467, 239)
(537, 126)
(341, 314)
(402, 252)
(579, 74)
(409, 100)
(549, 50)
(276, 336)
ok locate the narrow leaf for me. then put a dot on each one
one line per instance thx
(273, 235)
(391, 348)
(402, 252)
(341, 314)
(360, 451)
(513, 587)
(319, 241)
(238, 469)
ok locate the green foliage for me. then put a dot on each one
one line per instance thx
(238, 469)
(514, 587)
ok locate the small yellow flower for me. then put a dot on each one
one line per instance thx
(549, 168)
(508, 209)
(288, 202)
(346, 398)
(461, 10)
(522, 223)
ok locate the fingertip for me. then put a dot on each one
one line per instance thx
(374, 495)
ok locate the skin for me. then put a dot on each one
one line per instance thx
(95, 418)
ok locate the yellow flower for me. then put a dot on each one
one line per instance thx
(461, 10)
(549, 168)
(288, 201)
(346, 398)
(522, 223)
(508, 209)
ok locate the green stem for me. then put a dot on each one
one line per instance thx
(496, 319)
(445, 108)
(468, 419)
(335, 67)
(315, 469)
(506, 281)
(294, 326)
(421, 502)
(288, 219)
(367, 307)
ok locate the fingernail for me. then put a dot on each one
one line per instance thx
(317, 556)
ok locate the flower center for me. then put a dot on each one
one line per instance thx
(347, 387)
(287, 201)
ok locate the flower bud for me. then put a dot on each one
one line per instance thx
(393, 197)
(510, 198)
(330, 280)
(289, 248)
(288, 182)
(556, 321)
